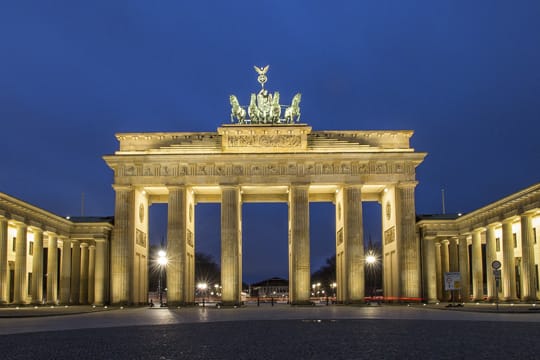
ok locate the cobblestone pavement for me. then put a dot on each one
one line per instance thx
(386, 332)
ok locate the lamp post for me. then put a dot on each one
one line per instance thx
(371, 261)
(202, 289)
(162, 262)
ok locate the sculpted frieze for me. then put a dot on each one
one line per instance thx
(291, 168)
(264, 140)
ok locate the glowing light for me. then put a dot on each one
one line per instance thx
(202, 286)
(371, 259)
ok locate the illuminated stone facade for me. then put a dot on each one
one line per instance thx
(506, 231)
(264, 163)
(75, 269)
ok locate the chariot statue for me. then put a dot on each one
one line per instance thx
(264, 107)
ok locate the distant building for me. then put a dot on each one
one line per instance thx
(273, 287)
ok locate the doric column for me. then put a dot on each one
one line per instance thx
(464, 268)
(353, 241)
(445, 265)
(176, 246)
(100, 289)
(20, 282)
(122, 245)
(491, 255)
(4, 269)
(453, 255)
(37, 267)
(527, 259)
(75, 272)
(477, 275)
(83, 290)
(231, 245)
(508, 263)
(299, 271)
(91, 272)
(65, 272)
(52, 269)
(430, 269)
(408, 244)
(438, 267)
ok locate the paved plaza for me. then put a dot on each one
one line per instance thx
(279, 332)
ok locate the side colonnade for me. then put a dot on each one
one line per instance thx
(504, 232)
(47, 259)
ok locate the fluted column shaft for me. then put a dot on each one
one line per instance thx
(52, 269)
(65, 273)
(101, 272)
(231, 245)
(508, 263)
(464, 268)
(353, 241)
(83, 291)
(527, 259)
(37, 267)
(477, 275)
(75, 272)
(408, 244)
(91, 272)
(430, 269)
(453, 255)
(4, 268)
(122, 246)
(491, 255)
(438, 267)
(176, 246)
(20, 286)
(299, 270)
(445, 265)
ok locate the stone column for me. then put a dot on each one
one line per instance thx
(527, 259)
(491, 255)
(231, 245)
(4, 269)
(453, 255)
(508, 263)
(122, 245)
(445, 265)
(477, 274)
(464, 268)
(91, 272)
(52, 269)
(75, 272)
(430, 269)
(20, 282)
(176, 246)
(83, 290)
(408, 244)
(37, 267)
(65, 272)
(353, 241)
(299, 271)
(438, 267)
(101, 272)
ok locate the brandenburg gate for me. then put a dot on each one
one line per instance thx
(264, 155)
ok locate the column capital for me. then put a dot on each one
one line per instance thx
(445, 242)
(84, 244)
(175, 187)
(118, 187)
(36, 229)
(406, 184)
(509, 220)
(437, 244)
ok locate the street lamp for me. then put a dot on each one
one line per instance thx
(371, 262)
(202, 288)
(162, 262)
